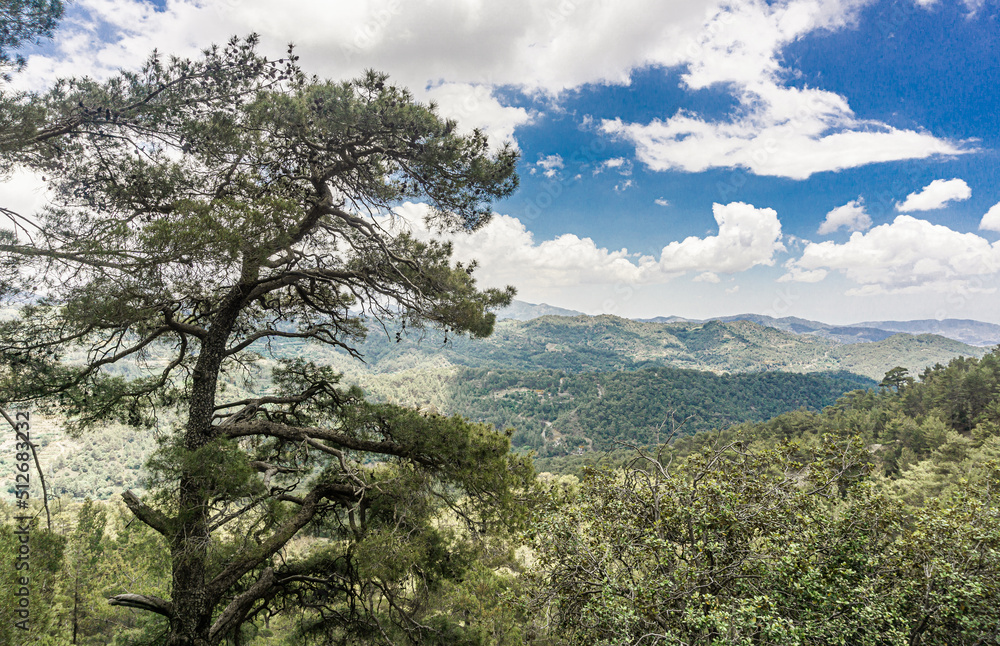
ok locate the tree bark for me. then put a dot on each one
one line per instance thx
(192, 601)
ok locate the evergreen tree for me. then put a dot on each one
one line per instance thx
(206, 208)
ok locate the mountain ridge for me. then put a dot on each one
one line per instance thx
(968, 331)
(610, 343)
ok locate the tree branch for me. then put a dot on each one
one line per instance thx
(234, 613)
(155, 519)
(306, 433)
(144, 602)
(38, 466)
(249, 559)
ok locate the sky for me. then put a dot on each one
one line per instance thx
(829, 159)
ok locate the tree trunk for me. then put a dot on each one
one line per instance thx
(193, 605)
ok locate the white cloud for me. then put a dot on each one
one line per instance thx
(991, 221)
(550, 165)
(661, 202)
(777, 130)
(972, 6)
(622, 165)
(25, 194)
(936, 195)
(907, 256)
(474, 106)
(822, 135)
(748, 236)
(851, 216)
(509, 254)
(457, 52)
(541, 45)
(732, 290)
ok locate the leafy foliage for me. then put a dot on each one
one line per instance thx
(766, 533)
(755, 547)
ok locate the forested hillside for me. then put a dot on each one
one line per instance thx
(549, 412)
(564, 385)
(607, 343)
(554, 412)
(874, 521)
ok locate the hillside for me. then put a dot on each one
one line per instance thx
(522, 311)
(608, 343)
(555, 412)
(964, 330)
(975, 333)
(795, 325)
(564, 383)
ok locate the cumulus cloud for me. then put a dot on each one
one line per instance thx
(661, 201)
(906, 256)
(509, 254)
(748, 236)
(474, 106)
(852, 216)
(550, 165)
(777, 130)
(544, 46)
(458, 52)
(794, 148)
(936, 195)
(991, 221)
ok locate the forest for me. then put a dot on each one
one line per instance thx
(875, 520)
(556, 413)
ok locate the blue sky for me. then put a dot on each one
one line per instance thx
(830, 159)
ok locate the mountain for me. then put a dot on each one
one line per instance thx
(795, 325)
(522, 311)
(555, 412)
(964, 330)
(967, 331)
(564, 383)
(609, 343)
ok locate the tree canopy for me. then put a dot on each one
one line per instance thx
(23, 22)
(205, 207)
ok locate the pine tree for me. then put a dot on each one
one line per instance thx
(205, 210)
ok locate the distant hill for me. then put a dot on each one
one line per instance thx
(564, 383)
(964, 330)
(608, 343)
(522, 311)
(795, 325)
(967, 331)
